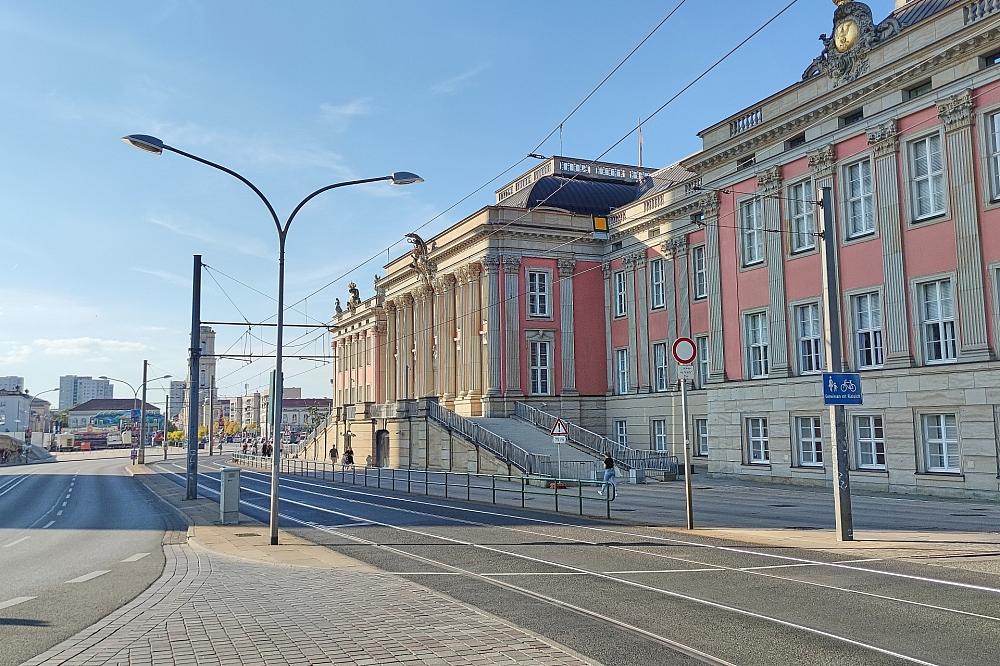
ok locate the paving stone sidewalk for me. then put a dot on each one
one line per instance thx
(210, 608)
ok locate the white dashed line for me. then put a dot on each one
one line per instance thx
(15, 601)
(135, 558)
(16, 541)
(49, 524)
(59, 512)
(64, 503)
(85, 577)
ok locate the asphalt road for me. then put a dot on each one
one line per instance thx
(627, 595)
(78, 540)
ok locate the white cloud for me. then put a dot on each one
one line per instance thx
(456, 83)
(85, 346)
(12, 354)
(237, 242)
(340, 115)
(166, 276)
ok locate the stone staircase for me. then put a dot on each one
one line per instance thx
(575, 464)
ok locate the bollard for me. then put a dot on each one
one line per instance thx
(522, 492)
(494, 480)
(229, 496)
(579, 485)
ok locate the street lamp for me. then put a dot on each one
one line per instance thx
(152, 144)
(141, 459)
(29, 408)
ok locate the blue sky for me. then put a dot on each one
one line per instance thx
(97, 238)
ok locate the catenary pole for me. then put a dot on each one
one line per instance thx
(166, 420)
(834, 347)
(194, 358)
(142, 415)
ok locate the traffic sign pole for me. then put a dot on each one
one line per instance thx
(559, 433)
(685, 351)
(838, 416)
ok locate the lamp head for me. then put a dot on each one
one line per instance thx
(405, 178)
(144, 142)
(102, 377)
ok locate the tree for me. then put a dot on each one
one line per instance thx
(202, 431)
(231, 428)
(171, 427)
(175, 436)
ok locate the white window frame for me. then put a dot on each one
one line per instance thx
(801, 217)
(621, 432)
(701, 437)
(933, 179)
(940, 431)
(869, 345)
(751, 232)
(941, 329)
(661, 367)
(704, 367)
(869, 446)
(756, 343)
(808, 337)
(539, 293)
(757, 446)
(540, 367)
(657, 294)
(809, 441)
(699, 276)
(992, 151)
(621, 293)
(658, 437)
(621, 371)
(864, 223)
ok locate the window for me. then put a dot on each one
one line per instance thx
(916, 91)
(703, 366)
(701, 437)
(617, 245)
(621, 433)
(810, 339)
(621, 356)
(940, 435)
(860, 211)
(853, 117)
(659, 435)
(746, 162)
(540, 362)
(809, 440)
(660, 366)
(621, 294)
(756, 344)
(801, 216)
(990, 59)
(757, 446)
(868, 330)
(656, 294)
(752, 233)
(869, 436)
(538, 294)
(938, 321)
(927, 177)
(698, 268)
(795, 141)
(993, 126)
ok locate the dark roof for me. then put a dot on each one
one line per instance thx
(305, 402)
(111, 405)
(586, 197)
(917, 10)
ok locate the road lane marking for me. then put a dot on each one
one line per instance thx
(59, 512)
(85, 577)
(49, 524)
(135, 558)
(64, 503)
(11, 480)
(16, 541)
(15, 601)
(10, 486)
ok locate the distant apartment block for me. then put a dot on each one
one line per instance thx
(74, 390)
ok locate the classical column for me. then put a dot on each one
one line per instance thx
(389, 352)
(609, 305)
(769, 187)
(885, 145)
(461, 333)
(409, 351)
(956, 112)
(713, 273)
(492, 307)
(475, 319)
(642, 326)
(629, 265)
(823, 163)
(428, 350)
(446, 339)
(512, 323)
(680, 248)
(670, 299)
(566, 326)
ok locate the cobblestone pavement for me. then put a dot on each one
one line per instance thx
(209, 608)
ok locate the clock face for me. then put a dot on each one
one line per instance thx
(845, 35)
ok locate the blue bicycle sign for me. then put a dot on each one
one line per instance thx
(842, 388)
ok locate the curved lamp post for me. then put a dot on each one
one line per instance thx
(135, 405)
(151, 144)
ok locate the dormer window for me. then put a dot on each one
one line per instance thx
(795, 141)
(918, 90)
(852, 118)
(745, 162)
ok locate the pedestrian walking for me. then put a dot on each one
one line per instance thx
(368, 461)
(333, 453)
(244, 448)
(348, 457)
(609, 474)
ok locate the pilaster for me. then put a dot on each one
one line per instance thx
(680, 250)
(823, 164)
(713, 273)
(629, 264)
(475, 314)
(492, 264)
(608, 315)
(390, 355)
(670, 298)
(769, 185)
(885, 145)
(956, 113)
(566, 326)
(642, 325)
(512, 323)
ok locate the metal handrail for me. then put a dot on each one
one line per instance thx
(509, 452)
(497, 485)
(624, 456)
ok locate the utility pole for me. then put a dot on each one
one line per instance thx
(834, 349)
(166, 420)
(142, 416)
(193, 375)
(211, 414)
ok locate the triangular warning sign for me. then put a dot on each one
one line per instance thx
(559, 428)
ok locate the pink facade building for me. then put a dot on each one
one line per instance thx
(519, 303)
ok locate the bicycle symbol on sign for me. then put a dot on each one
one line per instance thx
(848, 386)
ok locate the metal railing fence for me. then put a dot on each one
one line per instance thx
(469, 486)
(506, 450)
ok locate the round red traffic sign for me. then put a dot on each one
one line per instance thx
(684, 350)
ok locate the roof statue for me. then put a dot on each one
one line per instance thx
(355, 297)
(845, 51)
(422, 262)
(336, 306)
